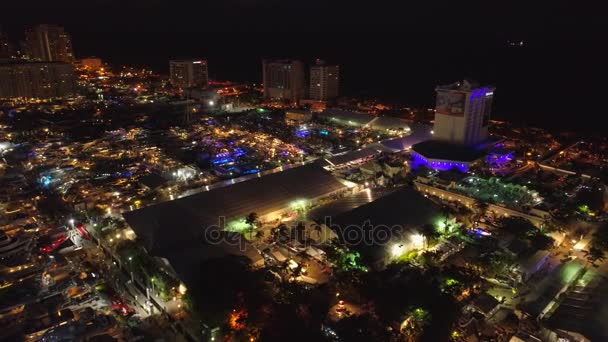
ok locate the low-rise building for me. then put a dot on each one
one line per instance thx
(187, 231)
(11, 248)
(485, 305)
(297, 116)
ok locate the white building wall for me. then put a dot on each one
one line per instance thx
(449, 128)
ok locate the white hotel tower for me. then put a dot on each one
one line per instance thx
(462, 113)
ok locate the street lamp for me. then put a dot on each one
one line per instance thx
(397, 250)
(131, 269)
(152, 283)
(418, 240)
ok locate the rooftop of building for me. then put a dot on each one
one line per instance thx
(186, 260)
(440, 150)
(389, 123)
(464, 85)
(188, 60)
(367, 152)
(485, 303)
(177, 230)
(542, 296)
(418, 133)
(584, 309)
(402, 211)
(347, 117)
(169, 226)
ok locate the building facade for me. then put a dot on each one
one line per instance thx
(324, 81)
(283, 80)
(41, 80)
(91, 63)
(6, 48)
(462, 113)
(48, 43)
(189, 73)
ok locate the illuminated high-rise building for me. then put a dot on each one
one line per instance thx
(189, 73)
(324, 81)
(48, 43)
(40, 80)
(6, 48)
(462, 113)
(283, 80)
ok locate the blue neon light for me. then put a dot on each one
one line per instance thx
(45, 180)
(238, 152)
(437, 165)
(219, 161)
(302, 133)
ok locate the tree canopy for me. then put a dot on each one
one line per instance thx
(600, 238)
(517, 226)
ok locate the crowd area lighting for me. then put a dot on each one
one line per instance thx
(397, 250)
(417, 240)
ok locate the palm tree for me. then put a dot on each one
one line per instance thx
(595, 254)
(252, 221)
(600, 238)
(429, 233)
(283, 229)
(446, 211)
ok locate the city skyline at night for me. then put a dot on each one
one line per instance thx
(267, 170)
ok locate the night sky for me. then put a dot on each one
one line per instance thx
(395, 50)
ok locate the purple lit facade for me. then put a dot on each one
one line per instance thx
(438, 164)
(499, 157)
(499, 160)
